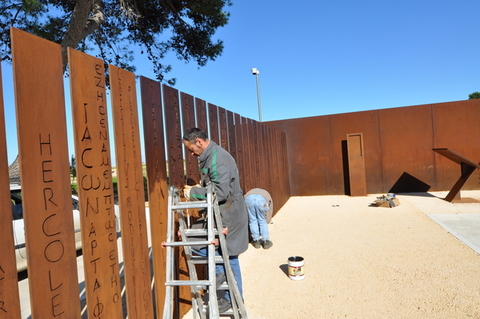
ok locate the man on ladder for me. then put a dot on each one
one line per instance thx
(218, 167)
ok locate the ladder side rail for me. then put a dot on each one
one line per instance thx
(169, 290)
(197, 302)
(213, 303)
(235, 296)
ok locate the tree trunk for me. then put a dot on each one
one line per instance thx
(86, 18)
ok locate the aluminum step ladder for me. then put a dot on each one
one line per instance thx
(203, 305)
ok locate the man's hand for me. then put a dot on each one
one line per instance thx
(187, 189)
(225, 232)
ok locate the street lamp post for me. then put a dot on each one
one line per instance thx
(256, 72)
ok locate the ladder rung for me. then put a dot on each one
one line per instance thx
(198, 232)
(188, 243)
(200, 260)
(199, 283)
(187, 205)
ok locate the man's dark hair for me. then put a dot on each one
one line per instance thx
(193, 133)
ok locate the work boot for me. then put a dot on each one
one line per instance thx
(223, 304)
(256, 243)
(267, 244)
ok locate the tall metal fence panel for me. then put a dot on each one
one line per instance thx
(398, 145)
(122, 181)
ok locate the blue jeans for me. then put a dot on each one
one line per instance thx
(234, 264)
(257, 207)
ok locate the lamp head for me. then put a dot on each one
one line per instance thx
(255, 71)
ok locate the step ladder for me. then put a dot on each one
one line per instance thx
(203, 305)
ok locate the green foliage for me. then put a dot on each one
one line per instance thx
(185, 27)
(73, 167)
(474, 95)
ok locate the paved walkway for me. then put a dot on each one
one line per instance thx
(461, 219)
(466, 227)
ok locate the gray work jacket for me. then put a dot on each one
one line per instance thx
(219, 167)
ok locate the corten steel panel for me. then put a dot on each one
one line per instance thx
(271, 168)
(256, 151)
(309, 155)
(267, 159)
(247, 161)
(231, 134)
(95, 187)
(45, 176)
(201, 110)
(406, 136)
(285, 183)
(263, 158)
(157, 180)
(214, 134)
(239, 152)
(177, 177)
(274, 153)
(252, 153)
(10, 303)
(245, 156)
(367, 123)
(275, 171)
(222, 121)
(277, 178)
(174, 137)
(252, 157)
(131, 193)
(456, 127)
(356, 164)
(188, 120)
(277, 174)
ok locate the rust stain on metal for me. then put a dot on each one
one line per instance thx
(45, 176)
(95, 186)
(131, 193)
(157, 180)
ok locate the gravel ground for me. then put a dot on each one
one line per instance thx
(364, 262)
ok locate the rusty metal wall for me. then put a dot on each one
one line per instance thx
(173, 137)
(398, 146)
(231, 134)
(260, 152)
(45, 176)
(213, 130)
(201, 110)
(255, 147)
(456, 126)
(156, 178)
(406, 142)
(222, 121)
(94, 183)
(188, 117)
(131, 193)
(239, 152)
(177, 176)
